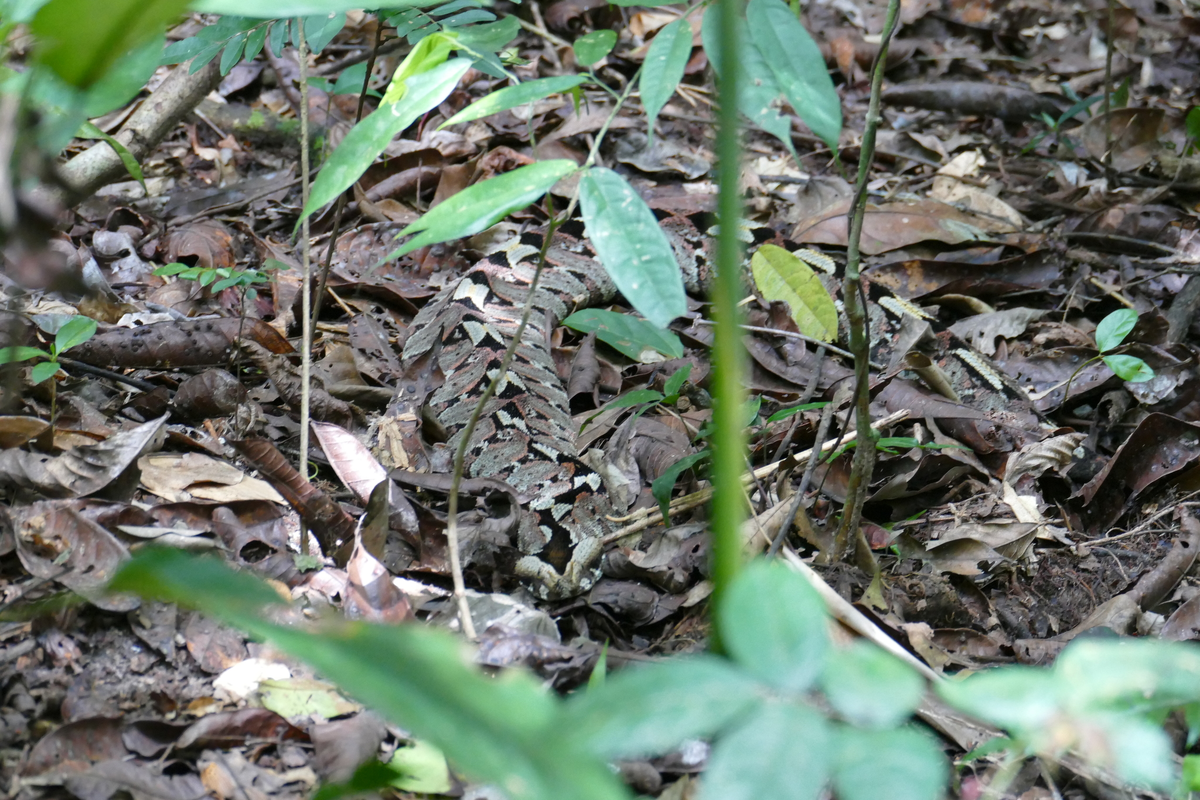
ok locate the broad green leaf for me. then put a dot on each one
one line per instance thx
(490, 37)
(513, 96)
(9, 355)
(798, 65)
(593, 46)
(90, 131)
(77, 331)
(784, 751)
(430, 52)
(80, 39)
(758, 92)
(676, 381)
(636, 398)
(629, 335)
(319, 29)
(255, 41)
(1130, 368)
(651, 709)
(478, 207)
(664, 484)
(503, 730)
(1018, 698)
(420, 768)
(632, 247)
(869, 686)
(663, 68)
(908, 762)
(281, 9)
(1139, 750)
(184, 49)
(1113, 329)
(780, 275)
(366, 140)
(43, 371)
(1128, 675)
(1191, 773)
(1192, 125)
(351, 80)
(277, 38)
(773, 624)
(233, 53)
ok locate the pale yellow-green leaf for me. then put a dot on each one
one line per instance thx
(421, 767)
(779, 275)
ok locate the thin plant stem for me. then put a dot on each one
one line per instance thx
(306, 326)
(341, 201)
(854, 298)
(729, 392)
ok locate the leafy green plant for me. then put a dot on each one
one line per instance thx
(786, 709)
(1111, 331)
(73, 332)
(221, 278)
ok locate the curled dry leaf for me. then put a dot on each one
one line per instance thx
(206, 243)
(85, 469)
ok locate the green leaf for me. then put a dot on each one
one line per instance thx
(666, 59)
(277, 38)
(9, 355)
(908, 762)
(1127, 675)
(636, 398)
(780, 275)
(124, 79)
(420, 768)
(431, 52)
(1113, 329)
(632, 247)
(280, 9)
(650, 709)
(80, 39)
(351, 80)
(492, 36)
(759, 92)
(1020, 699)
(255, 41)
(513, 96)
(504, 730)
(366, 140)
(233, 53)
(183, 50)
(1192, 124)
(1129, 368)
(773, 624)
(1190, 782)
(43, 371)
(784, 751)
(76, 331)
(629, 335)
(90, 131)
(676, 381)
(319, 29)
(664, 484)
(869, 686)
(478, 207)
(797, 63)
(784, 413)
(167, 270)
(591, 47)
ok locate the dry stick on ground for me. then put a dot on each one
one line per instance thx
(854, 298)
(145, 128)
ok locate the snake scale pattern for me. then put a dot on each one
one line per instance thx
(525, 436)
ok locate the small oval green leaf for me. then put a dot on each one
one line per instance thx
(9, 355)
(1113, 329)
(1130, 368)
(591, 47)
(871, 687)
(779, 275)
(632, 246)
(513, 96)
(633, 337)
(77, 330)
(783, 751)
(43, 371)
(663, 68)
(368, 138)
(480, 206)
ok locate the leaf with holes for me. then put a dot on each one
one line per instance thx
(368, 138)
(779, 275)
(480, 206)
(629, 335)
(513, 96)
(631, 246)
(663, 68)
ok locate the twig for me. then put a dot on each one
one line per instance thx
(101, 372)
(854, 298)
(306, 262)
